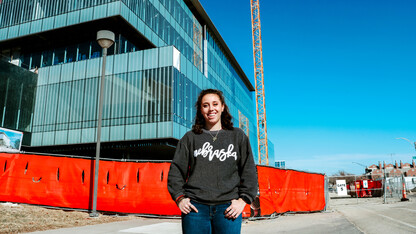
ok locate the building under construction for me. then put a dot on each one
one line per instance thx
(165, 53)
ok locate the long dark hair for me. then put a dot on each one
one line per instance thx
(226, 118)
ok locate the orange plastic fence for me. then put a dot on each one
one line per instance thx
(287, 190)
(136, 187)
(124, 187)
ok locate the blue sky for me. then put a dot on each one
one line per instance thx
(340, 77)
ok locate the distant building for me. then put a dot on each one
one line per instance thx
(377, 171)
(280, 164)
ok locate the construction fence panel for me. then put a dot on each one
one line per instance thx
(124, 187)
(288, 190)
(138, 187)
(397, 188)
(364, 190)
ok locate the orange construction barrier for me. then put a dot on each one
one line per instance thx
(138, 187)
(404, 196)
(288, 190)
(125, 187)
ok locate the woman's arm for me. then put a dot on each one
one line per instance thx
(248, 173)
(178, 171)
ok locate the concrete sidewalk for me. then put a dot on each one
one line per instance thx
(323, 222)
(344, 216)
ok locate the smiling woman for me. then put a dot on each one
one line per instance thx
(212, 109)
(207, 174)
(211, 102)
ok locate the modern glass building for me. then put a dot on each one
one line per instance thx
(280, 164)
(17, 93)
(166, 52)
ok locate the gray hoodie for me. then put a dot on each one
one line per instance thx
(213, 172)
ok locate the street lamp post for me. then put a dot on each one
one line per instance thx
(362, 166)
(412, 143)
(105, 39)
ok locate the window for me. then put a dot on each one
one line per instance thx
(35, 61)
(84, 51)
(26, 61)
(46, 58)
(95, 50)
(71, 53)
(59, 57)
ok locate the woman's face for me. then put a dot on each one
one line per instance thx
(211, 109)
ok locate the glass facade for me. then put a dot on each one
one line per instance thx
(280, 164)
(149, 94)
(137, 104)
(222, 74)
(164, 22)
(72, 53)
(17, 91)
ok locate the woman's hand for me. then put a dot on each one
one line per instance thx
(186, 206)
(235, 209)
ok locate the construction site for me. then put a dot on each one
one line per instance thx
(118, 158)
(95, 127)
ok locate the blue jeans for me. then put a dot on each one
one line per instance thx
(210, 219)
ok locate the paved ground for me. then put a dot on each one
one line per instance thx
(372, 216)
(347, 215)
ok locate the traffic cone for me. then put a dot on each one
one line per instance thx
(404, 198)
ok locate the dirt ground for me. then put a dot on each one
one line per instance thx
(19, 218)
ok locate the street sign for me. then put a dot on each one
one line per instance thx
(341, 188)
(365, 184)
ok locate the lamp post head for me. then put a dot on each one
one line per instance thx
(105, 38)
(412, 143)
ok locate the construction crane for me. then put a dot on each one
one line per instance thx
(259, 82)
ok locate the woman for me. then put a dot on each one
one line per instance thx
(212, 176)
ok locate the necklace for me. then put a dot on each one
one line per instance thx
(214, 138)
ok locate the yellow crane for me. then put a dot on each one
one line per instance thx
(259, 83)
